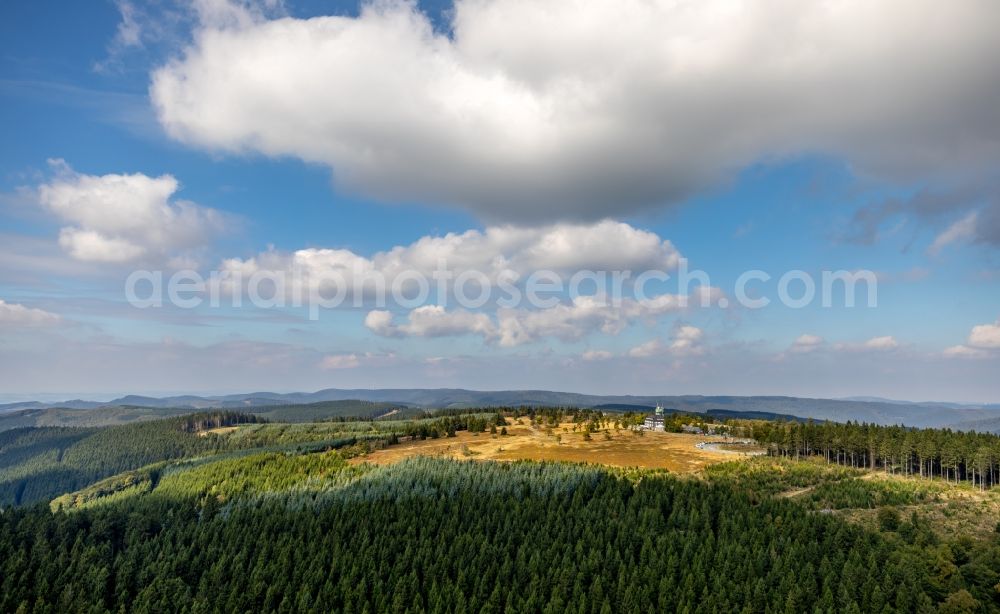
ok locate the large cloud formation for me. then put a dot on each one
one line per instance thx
(564, 249)
(570, 109)
(508, 253)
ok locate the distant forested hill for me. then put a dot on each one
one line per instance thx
(871, 410)
(125, 414)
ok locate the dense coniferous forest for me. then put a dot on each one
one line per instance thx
(953, 456)
(429, 535)
(40, 463)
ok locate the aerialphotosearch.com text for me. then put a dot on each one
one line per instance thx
(323, 289)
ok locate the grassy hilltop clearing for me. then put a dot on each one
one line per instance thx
(516, 509)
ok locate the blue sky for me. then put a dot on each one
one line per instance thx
(397, 122)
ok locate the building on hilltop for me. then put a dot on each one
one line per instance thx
(656, 421)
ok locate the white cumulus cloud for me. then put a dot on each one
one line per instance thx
(528, 111)
(17, 315)
(567, 321)
(125, 218)
(985, 336)
(431, 321)
(652, 347)
(982, 342)
(806, 343)
(964, 351)
(563, 248)
(686, 340)
(340, 361)
(882, 343)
